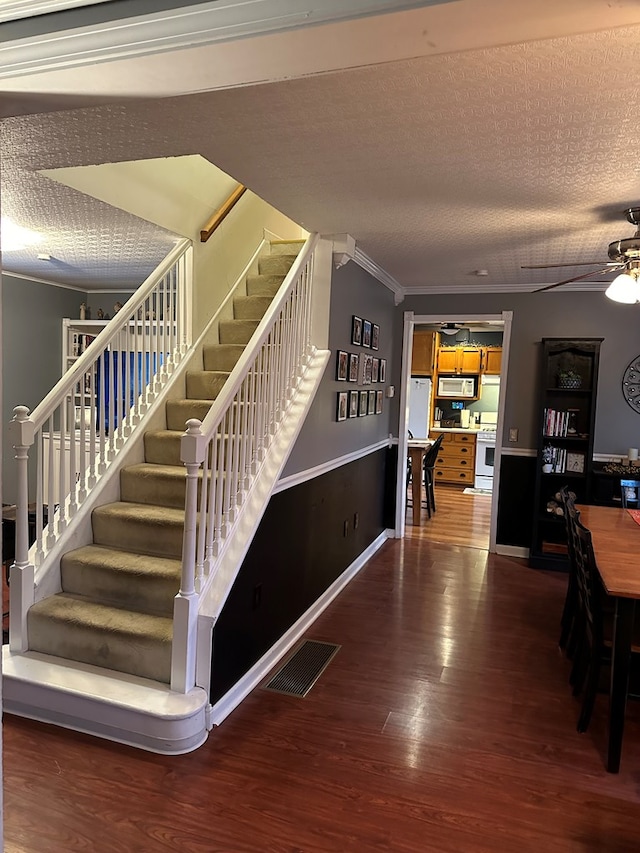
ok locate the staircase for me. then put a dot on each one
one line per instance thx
(115, 611)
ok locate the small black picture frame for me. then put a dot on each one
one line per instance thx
(342, 362)
(364, 403)
(354, 364)
(382, 370)
(379, 402)
(356, 331)
(341, 408)
(354, 397)
(375, 336)
(371, 408)
(375, 369)
(366, 333)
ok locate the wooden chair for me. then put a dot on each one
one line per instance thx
(568, 637)
(630, 492)
(428, 466)
(596, 626)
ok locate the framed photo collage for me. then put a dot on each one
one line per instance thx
(361, 368)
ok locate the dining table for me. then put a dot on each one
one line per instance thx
(417, 447)
(615, 535)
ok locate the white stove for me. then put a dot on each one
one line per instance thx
(485, 450)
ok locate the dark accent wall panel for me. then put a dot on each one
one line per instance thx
(516, 500)
(299, 550)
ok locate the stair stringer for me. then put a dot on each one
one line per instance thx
(230, 562)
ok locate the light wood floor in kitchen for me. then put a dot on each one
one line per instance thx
(459, 519)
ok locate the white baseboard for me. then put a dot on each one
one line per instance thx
(224, 706)
(512, 551)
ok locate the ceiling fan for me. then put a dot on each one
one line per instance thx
(451, 328)
(624, 257)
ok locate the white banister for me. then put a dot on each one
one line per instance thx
(74, 435)
(225, 452)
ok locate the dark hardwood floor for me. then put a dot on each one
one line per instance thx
(445, 724)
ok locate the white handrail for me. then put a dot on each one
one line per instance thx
(82, 423)
(232, 442)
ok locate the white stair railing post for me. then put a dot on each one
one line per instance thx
(22, 432)
(185, 606)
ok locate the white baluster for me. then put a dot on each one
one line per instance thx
(21, 433)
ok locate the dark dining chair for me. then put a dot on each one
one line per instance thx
(630, 493)
(428, 466)
(569, 616)
(594, 648)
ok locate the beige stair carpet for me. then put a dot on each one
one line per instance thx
(116, 607)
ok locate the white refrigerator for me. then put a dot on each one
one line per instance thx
(419, 398)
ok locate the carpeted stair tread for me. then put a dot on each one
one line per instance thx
(162, 446)
(121, 578)
(251, 307)
(286, 247)
(180, 411)
(221, 356)
(83, 630)
(275, 264)
(263, 285)
(205, 384)
(141, 528)
(153, 483)
(236, 331)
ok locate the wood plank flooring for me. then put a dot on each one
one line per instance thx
(445, 724)
(459, 519)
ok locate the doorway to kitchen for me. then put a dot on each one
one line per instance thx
(453, 378)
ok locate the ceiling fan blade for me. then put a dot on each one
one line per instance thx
(574, 264)
(576, 278)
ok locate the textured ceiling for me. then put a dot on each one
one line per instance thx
(438, 166)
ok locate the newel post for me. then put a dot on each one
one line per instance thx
(185, 605)
(22, 579)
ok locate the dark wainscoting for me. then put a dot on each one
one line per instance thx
(516, 500)
(308, 536)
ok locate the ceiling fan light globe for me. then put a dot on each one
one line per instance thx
(624, 288)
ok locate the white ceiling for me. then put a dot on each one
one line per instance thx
(486, 149)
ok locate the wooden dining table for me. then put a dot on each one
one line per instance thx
(616, 545)
(417, 447)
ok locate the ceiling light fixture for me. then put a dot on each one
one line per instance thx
(625, 288)
(14, 237)
(450, 329)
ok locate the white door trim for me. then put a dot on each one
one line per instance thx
(410, 321)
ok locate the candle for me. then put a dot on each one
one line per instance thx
(633, 454)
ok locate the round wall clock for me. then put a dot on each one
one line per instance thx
(631, 384)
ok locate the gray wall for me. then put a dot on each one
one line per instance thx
(32, 315)
(323, 438)
(556, 314)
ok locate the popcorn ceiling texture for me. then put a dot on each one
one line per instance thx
(439, 166)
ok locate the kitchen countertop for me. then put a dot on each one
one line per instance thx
(472, 430)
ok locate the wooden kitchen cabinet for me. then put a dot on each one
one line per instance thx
(456, 460)
(491, 364)
(459, 360)
(422, 353)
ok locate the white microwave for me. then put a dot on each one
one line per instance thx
(456, 386)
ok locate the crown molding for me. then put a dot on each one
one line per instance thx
(172, 29)
(483, 287)
(13, 10)
(363, 260)
(345, 250)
